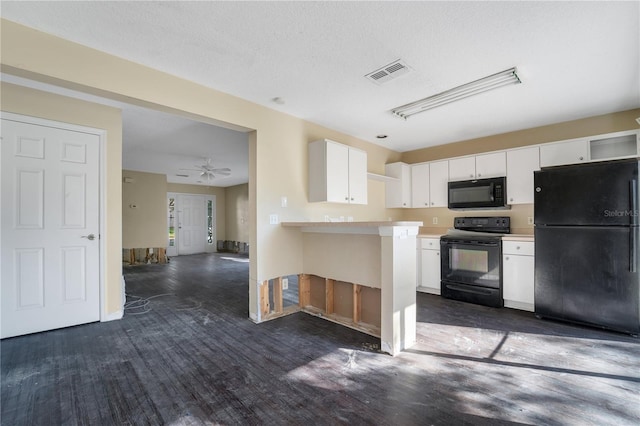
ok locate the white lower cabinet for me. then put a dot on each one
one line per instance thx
(429, 265)
(518, 274)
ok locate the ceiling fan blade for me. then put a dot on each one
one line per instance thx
(222, 172)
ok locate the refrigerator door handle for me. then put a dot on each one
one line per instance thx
(633, 235)
(633, 201)
(633, 250)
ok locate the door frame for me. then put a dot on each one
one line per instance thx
(102, 167)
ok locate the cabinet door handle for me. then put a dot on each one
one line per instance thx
(581, 158)
(506, 258)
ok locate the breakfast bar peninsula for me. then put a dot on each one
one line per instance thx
(362, 274)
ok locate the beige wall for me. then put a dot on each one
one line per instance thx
(35, 103)
(218, 193)
(144, 210)
(277, 148)
(237, 213)
(146, 225)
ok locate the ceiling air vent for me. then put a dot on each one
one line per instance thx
(393, 70)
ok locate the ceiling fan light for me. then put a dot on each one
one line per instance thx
(485, 84)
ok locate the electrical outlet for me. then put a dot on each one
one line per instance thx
(435, 221)
(273, 219)
(530, 220)
(285, 283)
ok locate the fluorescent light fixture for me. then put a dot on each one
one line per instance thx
(485, 84)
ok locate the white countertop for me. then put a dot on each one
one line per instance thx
(386, 228)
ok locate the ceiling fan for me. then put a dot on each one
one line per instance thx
(208, 171)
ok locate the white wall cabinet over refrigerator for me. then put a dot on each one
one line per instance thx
(337, 173)
(429, 265)
(521, 163)
(609, 146)
(518, 274)
(569, 152)
(398, 191)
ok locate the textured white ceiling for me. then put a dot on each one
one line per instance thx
(576, 59)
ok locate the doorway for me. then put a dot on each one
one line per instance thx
(191, 223)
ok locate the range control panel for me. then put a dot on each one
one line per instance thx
(498, 224)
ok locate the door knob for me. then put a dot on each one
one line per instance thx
(89, 237)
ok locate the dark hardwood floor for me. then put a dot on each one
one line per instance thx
(186, 354)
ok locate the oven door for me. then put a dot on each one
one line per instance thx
(472, 261)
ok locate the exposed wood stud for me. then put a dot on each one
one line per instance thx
(329, 284)
(277, 295)
(304, 290)
(264, 298)
(357, 311)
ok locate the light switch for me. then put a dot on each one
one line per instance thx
(283, 201)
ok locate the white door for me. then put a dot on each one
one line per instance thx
(50, 228)
(191, 224)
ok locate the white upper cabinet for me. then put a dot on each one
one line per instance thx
(521, 163)
(569, 152)
(398, 192)
(462, 168)
(491, 165)
(357, 176)
(610, 146)
(614, 145)
(478, 166)
(337, 173)
(420, 185)
(438, 178)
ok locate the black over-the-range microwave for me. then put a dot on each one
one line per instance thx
(478, 194)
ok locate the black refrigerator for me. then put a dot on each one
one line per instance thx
(586, 244)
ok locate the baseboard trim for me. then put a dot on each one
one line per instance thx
(113, 316)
